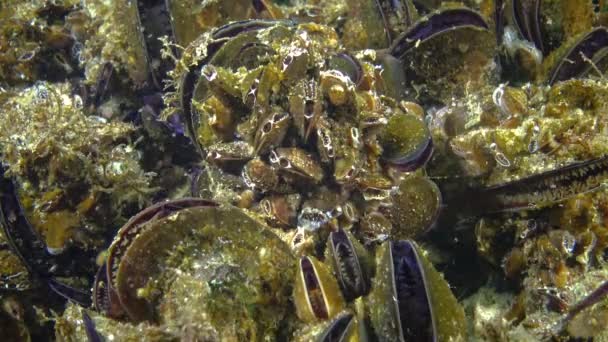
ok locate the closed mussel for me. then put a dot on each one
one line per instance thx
(344, 328)
(416, 204)
(316, 293)
(406, 142)
(410, 300)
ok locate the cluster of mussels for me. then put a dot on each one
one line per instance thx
(295, 152)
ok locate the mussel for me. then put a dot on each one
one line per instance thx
(316, 292)
(410, 300)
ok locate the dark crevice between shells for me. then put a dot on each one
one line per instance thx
(103, 80)
(313, 289)
(414, 310)
(433, 25)
(155, 22)
(499, 20)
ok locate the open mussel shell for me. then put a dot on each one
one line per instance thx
(316, 293)
(526, 14)
(350, 263)
(224, 48)
(406, 142)
(416, 206)
(199, 245)
(105, 296)
(586, 53)
(410, 300)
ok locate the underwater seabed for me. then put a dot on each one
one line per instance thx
(248, 170)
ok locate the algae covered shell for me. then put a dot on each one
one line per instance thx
(232, 267)
(410, 300)
(316, 292)
(406, 142)
(416, 206)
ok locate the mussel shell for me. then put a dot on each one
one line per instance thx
(21, 236)
(347, 65)
(593, 46)
(154, 22)
(219, 38)
(410, 300)
(316, 292)
(146, 261)
(343, 328)
(101, 297)
(435, 24)
(526, 14)
(259, 176)
(350, 263)
(416, 205)
(406, 142)
(397, 16)
(122, 242)
(90, 329)
(393, 78)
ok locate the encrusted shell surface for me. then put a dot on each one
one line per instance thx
(237, 271)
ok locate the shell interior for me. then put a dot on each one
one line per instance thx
(349, 269)
(413, 305)
(314, 292)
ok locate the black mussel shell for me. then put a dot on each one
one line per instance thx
(90, 329)
(219, 38)
(406, 142)
(22, 237)
(339, 329)
(414, 307)
(353, 277)
(435, 24)
(410, 300)
(348, 65)
(593, 47)
(526, 14)
(544, 188)
(154, 21)
(397, 15)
